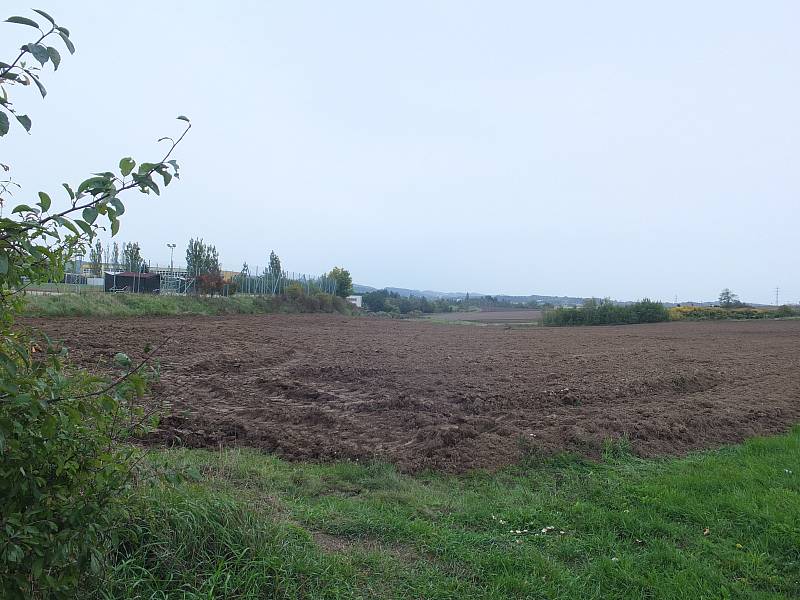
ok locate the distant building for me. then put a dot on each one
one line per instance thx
(127, 281)
(168, 271)
(355, 300)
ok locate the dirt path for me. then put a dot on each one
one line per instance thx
(451, 397)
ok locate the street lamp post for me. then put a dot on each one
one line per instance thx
(171, 268)
(171, 250)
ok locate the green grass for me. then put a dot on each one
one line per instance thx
(137, 305)
(246, 525)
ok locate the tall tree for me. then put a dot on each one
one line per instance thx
(344, 282)
(132, 257)
(96, 259)
(728, 299)
(201, 258)
(274, 270)
(115, 256)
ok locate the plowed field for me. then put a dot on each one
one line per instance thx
(453, 397)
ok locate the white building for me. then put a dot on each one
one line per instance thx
(355, 300)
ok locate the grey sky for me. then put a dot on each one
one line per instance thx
(616, 149)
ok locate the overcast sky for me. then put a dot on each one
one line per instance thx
(615, 149)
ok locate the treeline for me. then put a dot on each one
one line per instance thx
(606, 312)
(393, 303)
(497, 303)
(384, 301)
(125, 257)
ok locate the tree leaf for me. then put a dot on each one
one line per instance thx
(90, 214)
(92, 184)
(23, 21)
(67, 42)
(114, 227)
(44, 201)
(87, 229)
(39, 52)
(3, 123)
(148, 182)
(38, 83)
(126, 165)
(67, 223)
(45, 15)
(24, 208)
(184, 118)
(118, 206)
(25, 121)
(3, 263)
(69, 191)
(55, 57)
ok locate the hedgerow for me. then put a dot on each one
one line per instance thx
(605, 312)
(717, 313)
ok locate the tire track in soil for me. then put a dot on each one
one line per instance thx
(448, 397)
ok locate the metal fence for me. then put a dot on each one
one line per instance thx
(177, 280)
(273, 284)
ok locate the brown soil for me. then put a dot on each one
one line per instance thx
(491, 317)
(454, 397)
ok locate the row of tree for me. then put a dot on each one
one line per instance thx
(273, 270)
(127, 257)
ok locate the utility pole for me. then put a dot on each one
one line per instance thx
(777, 292)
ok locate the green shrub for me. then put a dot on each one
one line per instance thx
(605, 312)
(63, 467)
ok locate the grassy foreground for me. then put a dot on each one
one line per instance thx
(139, 305)
(722, 524)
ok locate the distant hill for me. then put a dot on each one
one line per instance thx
(407, 293)
(432, 295)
